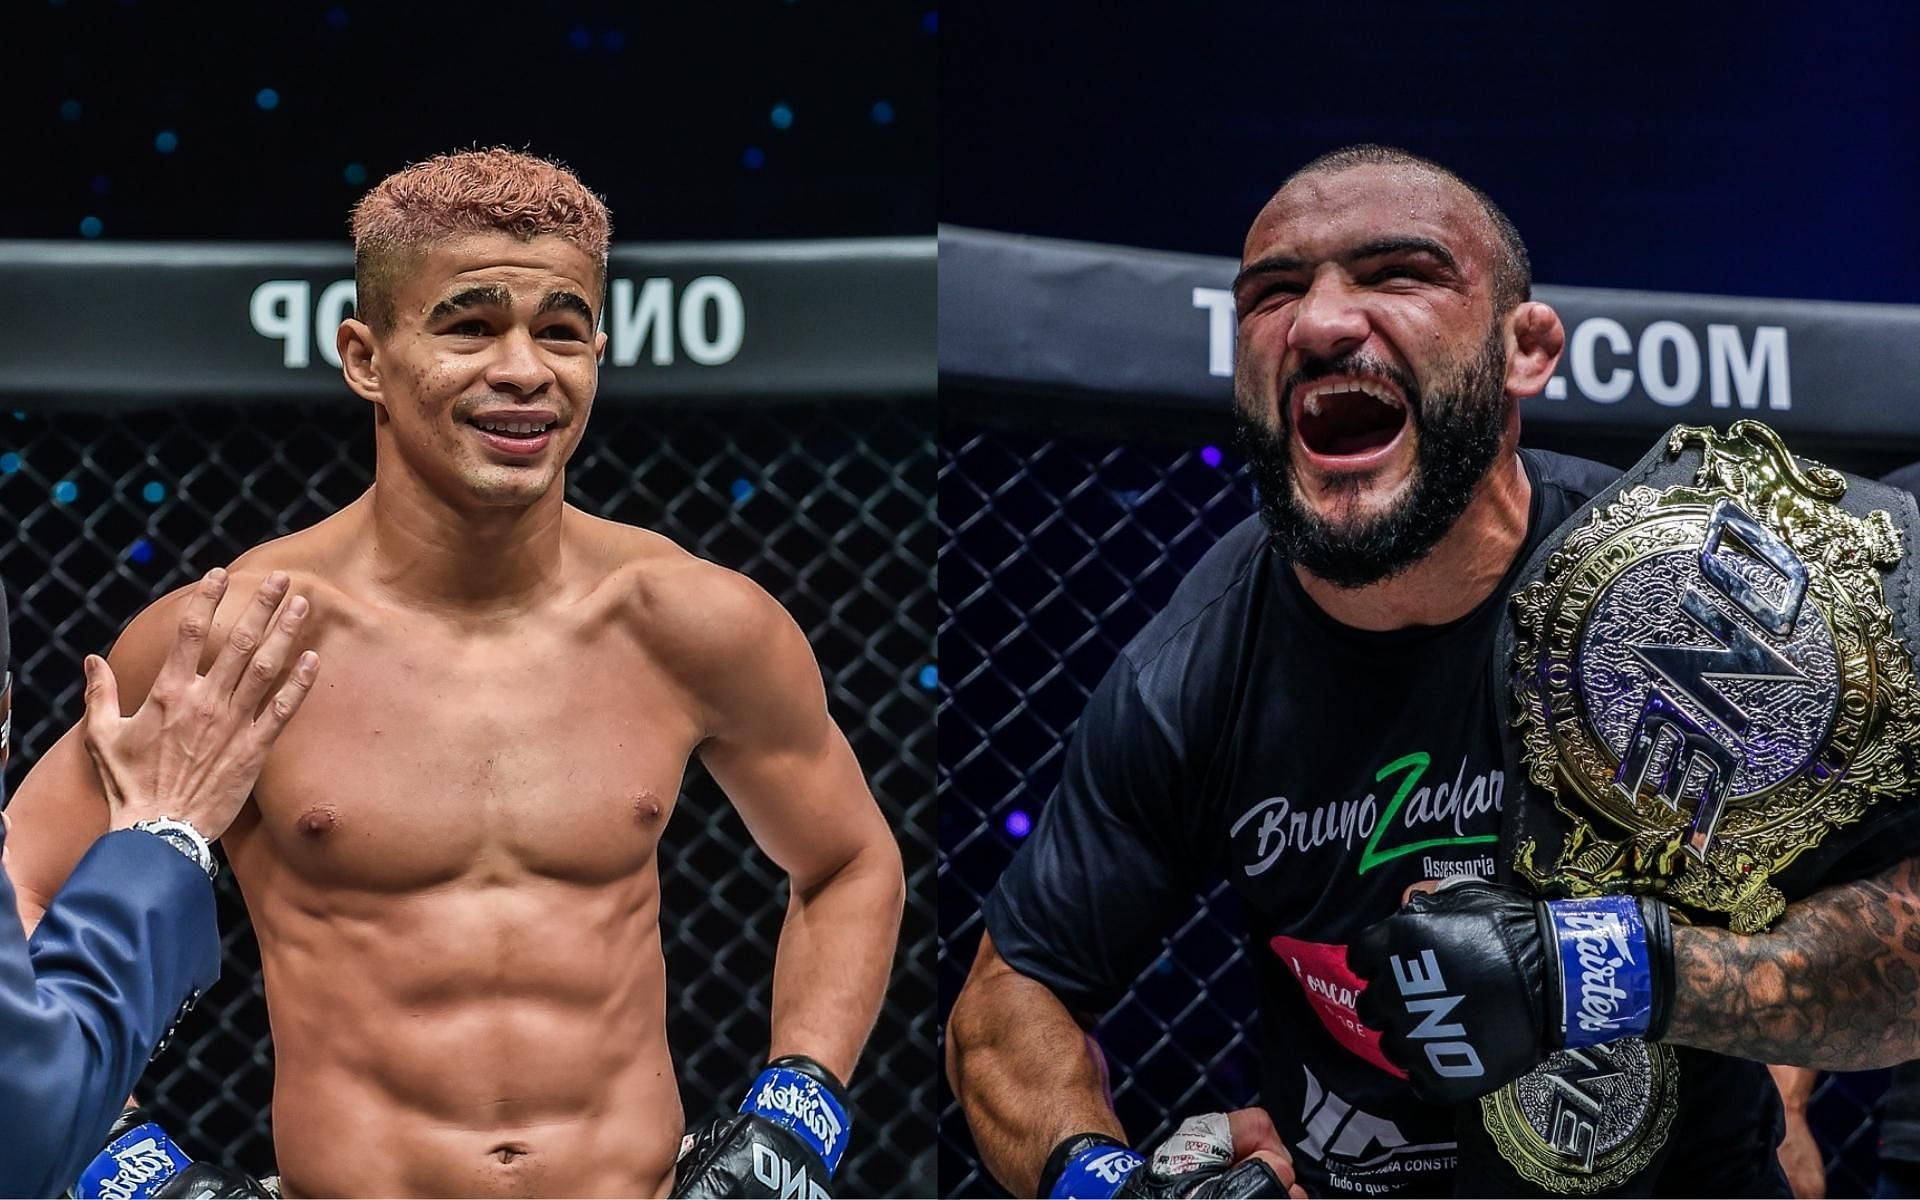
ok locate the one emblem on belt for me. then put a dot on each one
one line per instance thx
(1585, 1120)
(1710, 681)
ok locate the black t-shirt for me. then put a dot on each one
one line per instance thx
(1245, 734)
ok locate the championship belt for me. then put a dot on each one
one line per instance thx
(1711, 675)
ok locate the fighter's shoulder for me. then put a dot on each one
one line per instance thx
(1207, 597)
(300, 555)
(689, 610)
(1577, 479)
(1906, 478)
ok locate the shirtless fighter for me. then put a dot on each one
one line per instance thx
(450, 859)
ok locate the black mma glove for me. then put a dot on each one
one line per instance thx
(205, 1181)
(141, 1161)
(786, 1140)
(1195, 1161)
(1476, 984)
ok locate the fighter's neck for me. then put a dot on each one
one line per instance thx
(497, 560)
(1451, 581)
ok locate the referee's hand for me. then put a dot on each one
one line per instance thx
(194, 747)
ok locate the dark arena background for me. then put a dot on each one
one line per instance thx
(168, 396)
(1100, 165)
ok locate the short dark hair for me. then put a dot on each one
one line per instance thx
(1512, 272)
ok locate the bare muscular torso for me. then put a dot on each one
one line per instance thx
(450, 864)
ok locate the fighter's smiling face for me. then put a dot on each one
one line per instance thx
(1367, 327)
(489, 371)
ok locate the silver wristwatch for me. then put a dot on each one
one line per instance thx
(184, 838)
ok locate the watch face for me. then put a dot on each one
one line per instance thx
(180, 836)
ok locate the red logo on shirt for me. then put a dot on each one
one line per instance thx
(1333, 991)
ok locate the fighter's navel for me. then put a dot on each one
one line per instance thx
(509, 1151)
(317, 821)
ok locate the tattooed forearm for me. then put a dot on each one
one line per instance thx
(1835, 984)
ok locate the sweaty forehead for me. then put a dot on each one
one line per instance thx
(1321, 214)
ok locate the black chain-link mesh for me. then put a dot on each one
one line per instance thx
(827, 506)
(1054, 552)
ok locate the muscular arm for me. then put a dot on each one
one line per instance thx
(60, 809)
(791, 775)
(1835, 984)
(1024, 1071)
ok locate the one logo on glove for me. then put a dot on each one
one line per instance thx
(133, 1167)
(783, 1178)
(798, 1102)
(1606, 990)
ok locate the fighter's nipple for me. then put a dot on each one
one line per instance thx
(316, 822)
(647, 809)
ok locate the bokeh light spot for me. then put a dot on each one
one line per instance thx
(781, 116)
(154, 492)
(91, 227)
(166, 141)
(267, 99)
(66, 491)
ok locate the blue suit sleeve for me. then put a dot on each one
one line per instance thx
(82, 1006)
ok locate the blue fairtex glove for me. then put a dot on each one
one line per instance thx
(141, 1161)
(1476, 984)
(1195, 1161)
(786, 1140)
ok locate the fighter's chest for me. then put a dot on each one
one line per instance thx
(421, 760)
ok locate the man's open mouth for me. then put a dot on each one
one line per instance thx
(1348, 417)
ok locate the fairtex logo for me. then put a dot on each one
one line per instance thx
(802, 1099)
(1114, 1166)
(135, 1166)
(1594, 934)
(1282, 827)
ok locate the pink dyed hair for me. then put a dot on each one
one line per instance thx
(470, 191)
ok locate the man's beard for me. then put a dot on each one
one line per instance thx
(1457, 436)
